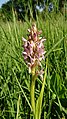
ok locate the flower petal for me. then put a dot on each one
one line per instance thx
(23, 39)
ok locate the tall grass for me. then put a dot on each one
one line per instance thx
(14, 76)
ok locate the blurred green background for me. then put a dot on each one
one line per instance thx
(16, 16)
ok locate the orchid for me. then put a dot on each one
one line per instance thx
(33, 55)
(33, 48)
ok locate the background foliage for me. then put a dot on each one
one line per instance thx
(14, 76)
(30, 8)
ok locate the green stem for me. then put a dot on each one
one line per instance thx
(32, 93)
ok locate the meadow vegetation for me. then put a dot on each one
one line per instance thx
(14, 75)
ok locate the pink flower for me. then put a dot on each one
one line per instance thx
(33, 48)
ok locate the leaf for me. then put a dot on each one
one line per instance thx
(39, 100)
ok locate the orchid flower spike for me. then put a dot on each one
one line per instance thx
(33, 48)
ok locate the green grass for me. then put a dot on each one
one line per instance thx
(14, 76)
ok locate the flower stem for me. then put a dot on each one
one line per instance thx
(32, 92)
